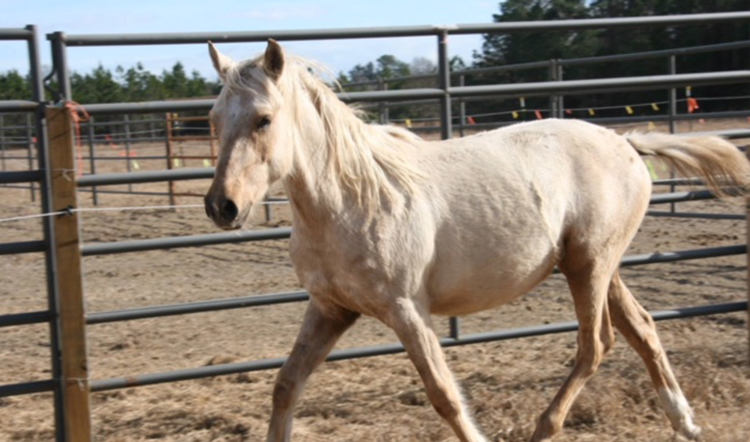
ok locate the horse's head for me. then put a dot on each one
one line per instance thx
(250, 124)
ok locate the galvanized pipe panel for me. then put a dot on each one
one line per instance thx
(682, 255)
(280, 298)
(23, 176)
(278, 233)
(15, 34)
(657, 54)
(266, 364)
(25, 318)
(675, 197)
(400, 31)
(621, 84)
(146, 177)
(26, 388)
(247, 37)
(186, 241)
(577, 61)
(11, 248)
(600, 23)
(571, 87)
(697, 215)
(195, 307)
(15, 106)
(149, 107)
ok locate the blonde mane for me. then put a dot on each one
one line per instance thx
(371, 161)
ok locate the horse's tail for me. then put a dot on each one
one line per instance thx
(718, 162)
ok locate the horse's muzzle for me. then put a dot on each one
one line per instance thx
(222, 211)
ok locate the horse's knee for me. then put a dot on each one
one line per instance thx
(446, 403)
(590, 357)
(546, 427)
(446, 407)
(283, 393)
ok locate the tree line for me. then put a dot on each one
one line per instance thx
(516, 48)
(102, 85)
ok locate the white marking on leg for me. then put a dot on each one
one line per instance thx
(679, 412)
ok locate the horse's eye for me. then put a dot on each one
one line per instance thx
(263, 123)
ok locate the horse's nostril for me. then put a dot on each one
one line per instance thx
(229, 210)
(207, 206)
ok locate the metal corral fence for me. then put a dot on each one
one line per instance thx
(70, 380)
(169, 129)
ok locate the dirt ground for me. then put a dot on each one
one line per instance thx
(507, 384)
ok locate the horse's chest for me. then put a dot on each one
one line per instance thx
(333, 275)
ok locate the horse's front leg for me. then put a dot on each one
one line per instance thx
(320, 330)
(413, 325)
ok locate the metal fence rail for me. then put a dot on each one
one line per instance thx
(632, 56)
(388, 349)
(282, 298)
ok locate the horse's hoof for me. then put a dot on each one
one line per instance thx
(692, 433)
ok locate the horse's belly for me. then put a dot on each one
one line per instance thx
(478, 283)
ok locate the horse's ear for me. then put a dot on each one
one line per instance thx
(273, 60)
(222, 63)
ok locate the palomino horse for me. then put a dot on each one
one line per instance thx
(391, 226)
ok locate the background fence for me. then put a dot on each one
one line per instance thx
(65, 313)
(126, 135)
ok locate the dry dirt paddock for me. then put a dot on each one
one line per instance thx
(507, 383)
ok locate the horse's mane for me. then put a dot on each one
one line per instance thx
(369, 160)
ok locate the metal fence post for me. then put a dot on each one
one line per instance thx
(672, 96)
(60, 60)
(672, 122)
(446, 122)
(462, 106)
(560, 98)
(92, 157)
(30, 154)
(444, 78)
(71, 312)
(126, 118)
(553, 98)
(48, 231)
(386, 107)
(2, 141)
(168, 140)
(381, 105)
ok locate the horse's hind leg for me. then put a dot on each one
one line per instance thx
(588, 285)
(413, 327)
(638, 328)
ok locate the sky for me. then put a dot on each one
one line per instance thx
(155, 16)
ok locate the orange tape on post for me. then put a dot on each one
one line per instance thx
(77, 114)
(692, 105)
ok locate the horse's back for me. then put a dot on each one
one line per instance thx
(509, 199)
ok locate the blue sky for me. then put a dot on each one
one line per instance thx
(115, 16)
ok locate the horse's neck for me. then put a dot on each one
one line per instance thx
(315, 195)
(320, 186)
